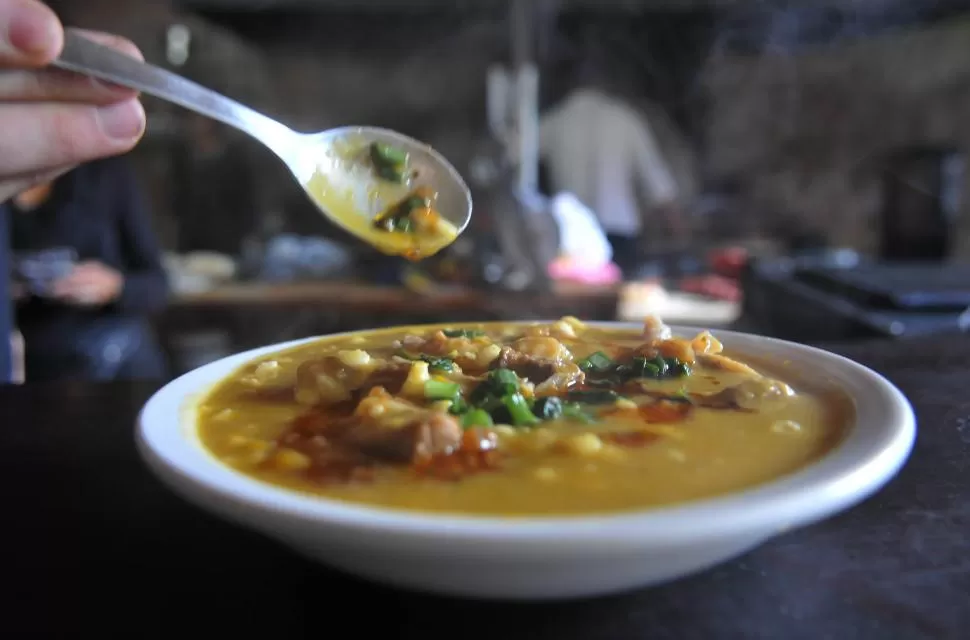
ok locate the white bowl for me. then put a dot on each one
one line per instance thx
(542, 557)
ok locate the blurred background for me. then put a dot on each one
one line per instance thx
(794, 169)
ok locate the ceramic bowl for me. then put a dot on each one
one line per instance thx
(541, 557)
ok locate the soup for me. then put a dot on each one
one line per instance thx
(517, 419)
(408, 224)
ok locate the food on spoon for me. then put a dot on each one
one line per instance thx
(415, 215)
(389, 162)
(517, 419)
(412, 226)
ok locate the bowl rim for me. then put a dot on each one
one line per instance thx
(874, 449)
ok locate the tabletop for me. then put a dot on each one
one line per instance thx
(94, 544)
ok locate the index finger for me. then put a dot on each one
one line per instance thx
(31, 34)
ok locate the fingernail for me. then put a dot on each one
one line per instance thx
(33, 28)
(122, 121)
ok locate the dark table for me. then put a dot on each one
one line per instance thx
(94, 545)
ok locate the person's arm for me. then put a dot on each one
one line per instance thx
(145, 288)
(6, 311)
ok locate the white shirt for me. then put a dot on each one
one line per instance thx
(581, 236)
(600, 149)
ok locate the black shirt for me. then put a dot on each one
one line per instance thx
(6, 321)
(97, 211)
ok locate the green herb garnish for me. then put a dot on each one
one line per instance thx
(596, 362)
(574, 411)
(440, 390)
(435, 363)
(519, 410)
(476, 418)
(459, 406)
(385, 155)
(593, 396)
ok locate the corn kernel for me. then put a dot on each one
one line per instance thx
(414, 384)
(290, 460)
(545, 474)
(488, 354)
(354, 357)
(584, 444)
(543, 438)
(612, 453)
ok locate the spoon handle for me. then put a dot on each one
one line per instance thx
(81, 55)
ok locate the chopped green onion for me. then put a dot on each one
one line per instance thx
(518, 410)
(598, 361)
(640, 367)
(593, 396)
(440, 390)
(391, 174)
(575, 412)
(417, 202)
(385, 155)
(439, 364)
(548, 408)
(458, 406)
(679, 369)
(463, 333)
(435, 363)
(503, 381)
(476, 418)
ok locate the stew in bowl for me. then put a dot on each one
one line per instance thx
(518, 420)
(527, 460)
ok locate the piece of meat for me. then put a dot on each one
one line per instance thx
(722, 362)
(535, 369)
(478, 453)
(330, 381)
(564, 378)
(431, 435)
(749, 395)
(390, 376)
(654, 329)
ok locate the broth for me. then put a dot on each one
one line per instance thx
(593, 420)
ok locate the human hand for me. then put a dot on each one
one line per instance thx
(89, 284)
(52, 120)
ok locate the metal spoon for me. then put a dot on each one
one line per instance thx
(315, 159)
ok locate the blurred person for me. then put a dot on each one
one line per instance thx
(50, 121)
(90, 272)
(604, 152)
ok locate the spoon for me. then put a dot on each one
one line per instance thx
(326, 164)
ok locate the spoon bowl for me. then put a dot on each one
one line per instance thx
(326, 164)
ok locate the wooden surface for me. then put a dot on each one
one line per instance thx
(97, 547)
